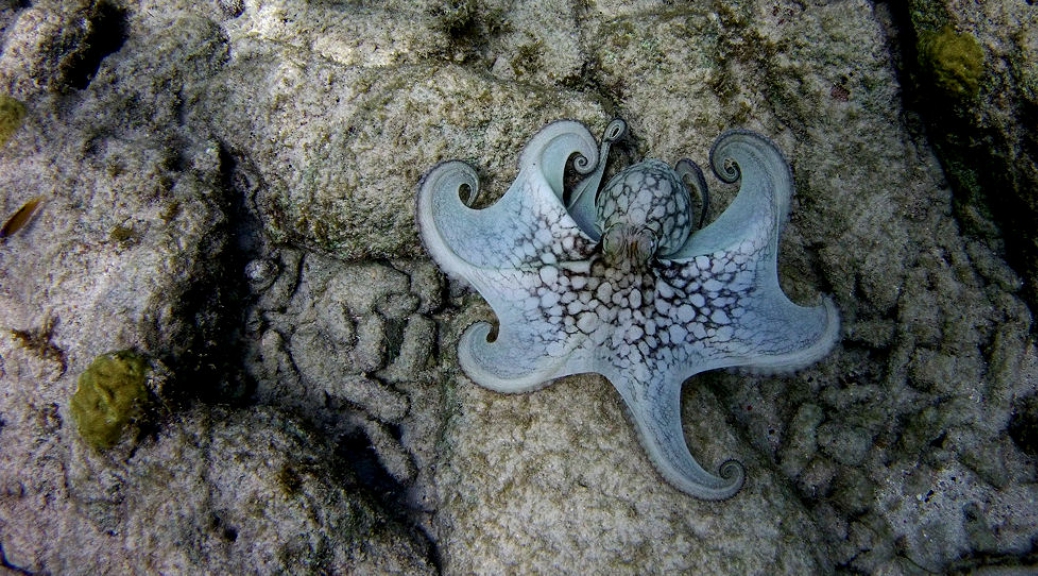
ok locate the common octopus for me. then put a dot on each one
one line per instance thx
(619, 282)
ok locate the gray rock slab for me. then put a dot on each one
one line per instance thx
(379, 112)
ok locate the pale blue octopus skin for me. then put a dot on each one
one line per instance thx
(618, 283)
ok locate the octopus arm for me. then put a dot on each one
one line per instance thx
(770, 332)
(515, 361)
(528, 350)
(777, 335)
(527, 221)
(551, 148)
(656, 410)
(762, 204)
(582, 204)
(764, 329)
(458, 237)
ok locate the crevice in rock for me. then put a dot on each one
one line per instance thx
(106, 32)
(356, 450)
(231, 382)
(1023, 425)
(207, 363)
(394, 339)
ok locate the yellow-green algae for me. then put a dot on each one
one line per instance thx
(111, 395)
(954, 61)
(12, 112)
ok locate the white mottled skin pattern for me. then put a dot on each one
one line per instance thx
(618, 283)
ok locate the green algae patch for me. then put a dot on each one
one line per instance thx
(954, 61)
(12, 112)
(111, 395)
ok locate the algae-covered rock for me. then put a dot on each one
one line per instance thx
(111, 395)
(981, 59)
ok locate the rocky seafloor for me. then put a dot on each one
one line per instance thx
(226, 192)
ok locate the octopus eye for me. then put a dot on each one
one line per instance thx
(640, 248)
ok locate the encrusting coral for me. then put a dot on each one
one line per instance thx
(954, 61)
(110, 396)
(12, 112)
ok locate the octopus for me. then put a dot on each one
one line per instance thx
(620, 280)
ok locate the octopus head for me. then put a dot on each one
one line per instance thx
(644, 212)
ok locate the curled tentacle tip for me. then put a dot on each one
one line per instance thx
(615, 130)
(734, 475)
(470, 198)
(692, 175)
(727, 170)
(733, 470)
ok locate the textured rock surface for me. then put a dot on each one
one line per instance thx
(984, 136)
(229, 189)
(383, 103)
(212, 492)
(132, 250)
(351, 346)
